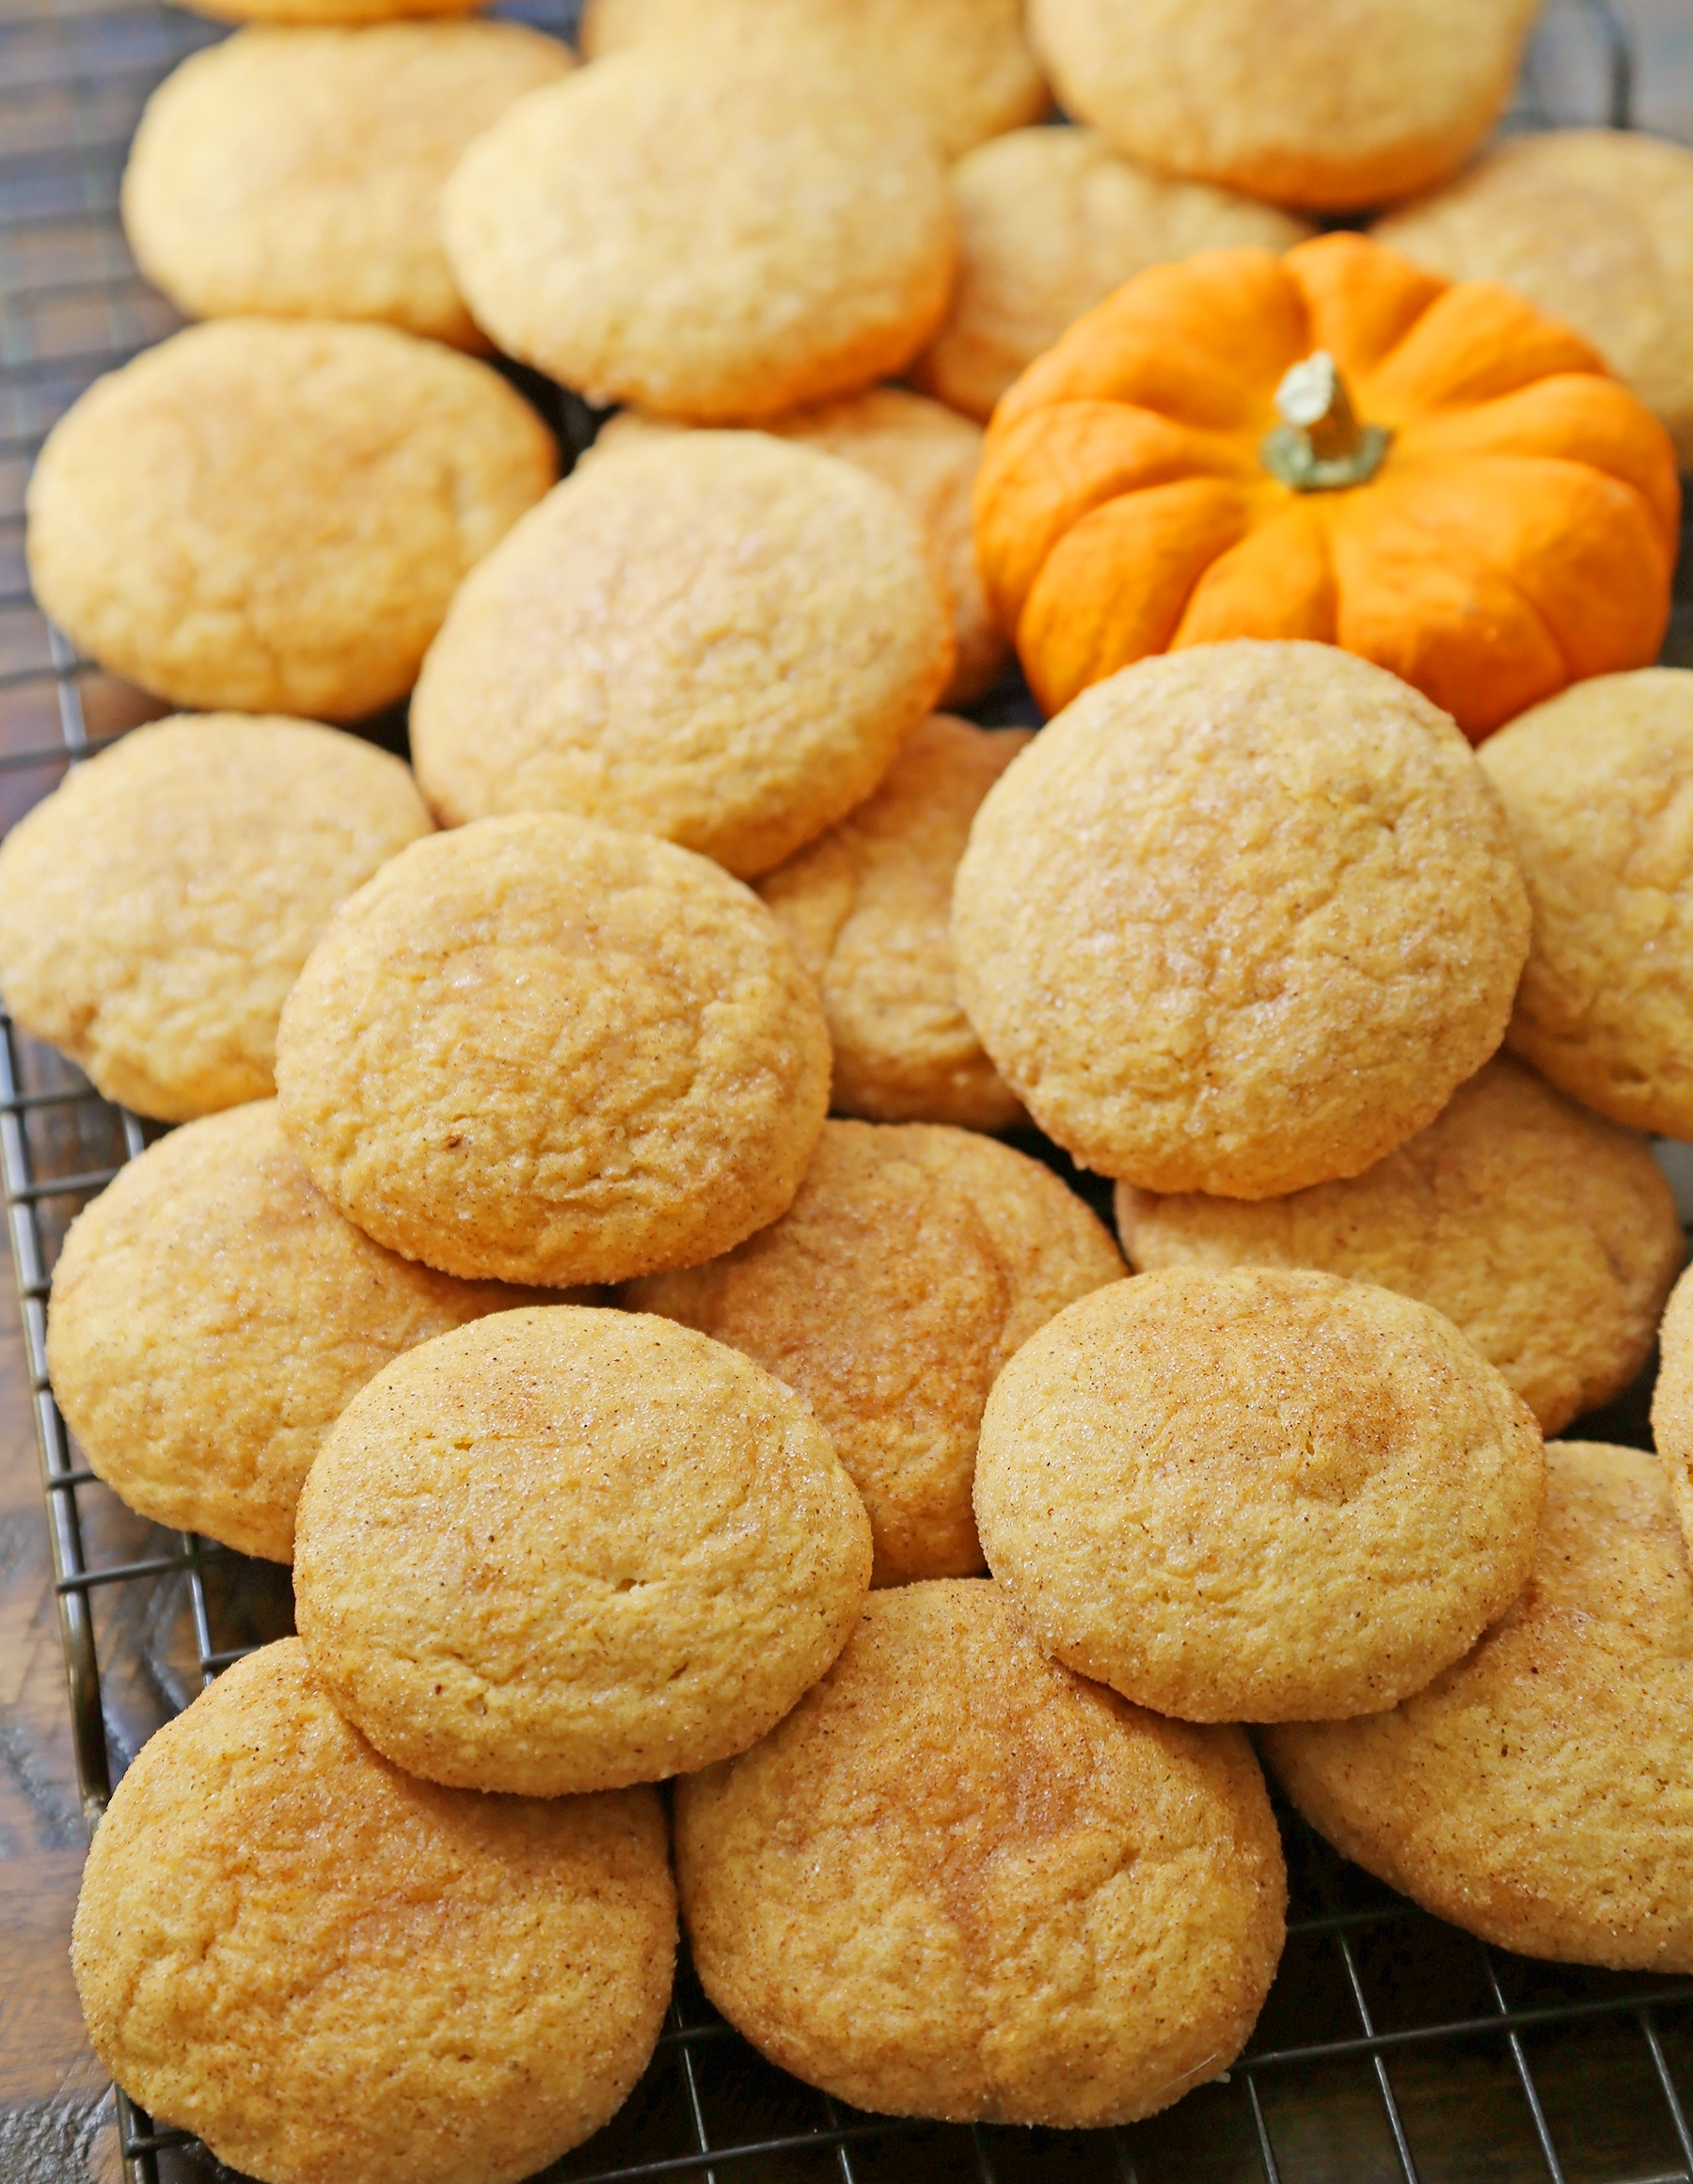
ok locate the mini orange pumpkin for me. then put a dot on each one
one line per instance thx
(1503, 522)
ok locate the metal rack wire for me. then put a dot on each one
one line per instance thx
(1392, 2047)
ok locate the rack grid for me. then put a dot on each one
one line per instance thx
(1392, 2048)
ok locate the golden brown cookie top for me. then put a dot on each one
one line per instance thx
(911, 1265)
(714, 637)
(1672, 1402)
(1240, 919)
(280, 1938)
(930, 456)
(1050, 222)
(1334, 105)
(567, 1550)
(946, 1798)
(1595, 228)
(962, 65)
(1257, 1495)
(1536, 1793)
(707, 242)
(1598, 784)
(157, 906)
(297, 172)
(1548, 1236)
(538, 1050)
(868, 906)
(212, 1315)
(273, 515)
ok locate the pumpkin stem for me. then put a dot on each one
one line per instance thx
(1321, 447)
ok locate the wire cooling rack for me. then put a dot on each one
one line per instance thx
(1392, 2048)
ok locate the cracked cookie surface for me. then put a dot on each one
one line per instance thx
(567, 1550)
(1096, 1897)
(538, 1050)
(913, 1263)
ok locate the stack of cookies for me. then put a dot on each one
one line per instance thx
(618, 1244)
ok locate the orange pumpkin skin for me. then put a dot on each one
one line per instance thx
(1520, 534)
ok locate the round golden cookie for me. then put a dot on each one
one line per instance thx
(1595, 228)
(1050, 222)
(962, 65)
(958, 1881)
(1598, 784)
(930, 457)
(913, 1263)
(328, 1969)
(715, 636)
(1257, 1495)
(1672, 1402)
(1242, 919)
(212, 1315)
(297, 172)
(1334, 105)
(539, 1051)
(157, 906)
(1549, 1237)
(714, 244)
(867, 906)
(273, 515)
(1536, 1793)
(566, 1549)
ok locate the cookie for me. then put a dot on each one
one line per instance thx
(962, 65)
(715, 637)
(273, 516)
(868, 906)
(717, 244)
(1342, 104)
(536, 1050)
(297, 173)
(157, 906)
(328, 1969)
(1240, 920)
(1258, 1495)
(212, 1316)
(1536, 1794)
(1050, 222)
(910, 1266)
(930, 456)
(1672, 1402)
(1595, 782)
(566, 1549)
(958, 1881)
(1549, 1237)
(1595, 228)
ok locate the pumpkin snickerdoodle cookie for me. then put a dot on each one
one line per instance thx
(1050, 222)
(272, 515)
(1548, 1235)
(867, 906)
(1536, 1793)
(715, 636)
(1257, 1495)
(212, 1315)
(297, 172)
(1598, 784)
(1240, 919)
(910, 1266)
(1334, 105)
(328, 1969)
(1095, 1898)
(962, 66)
(717, 244)
(157, 906)
(565, 1550)
(537, 1050)
(930, 456)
